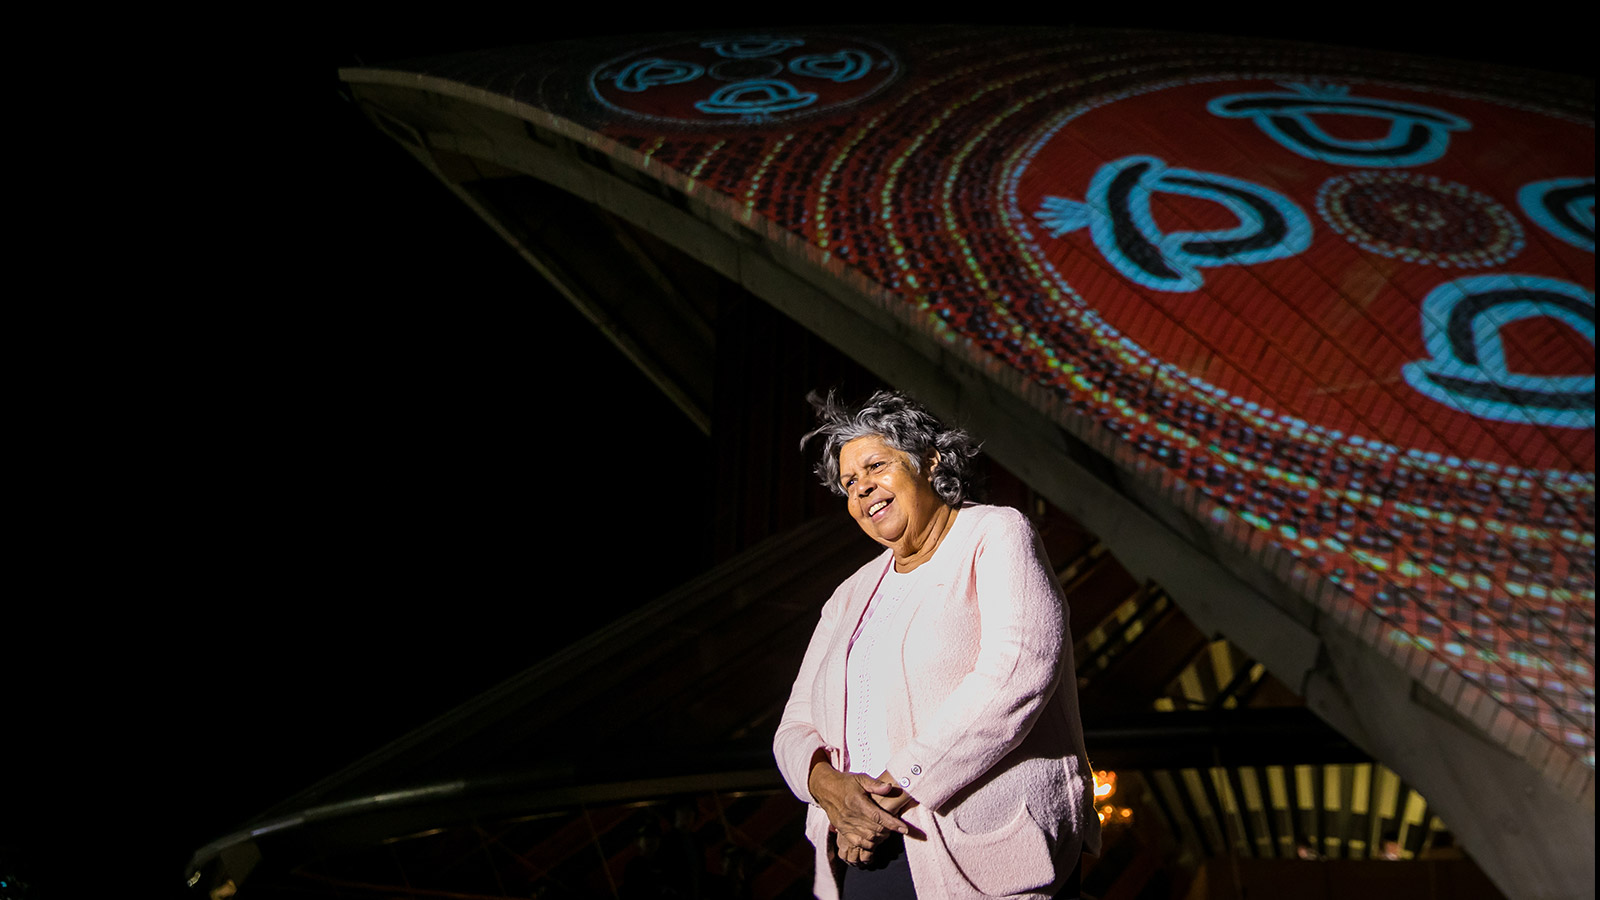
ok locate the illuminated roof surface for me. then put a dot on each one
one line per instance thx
(1336, 305)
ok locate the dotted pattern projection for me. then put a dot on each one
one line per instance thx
(1419, 219)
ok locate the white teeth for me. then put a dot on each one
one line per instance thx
(877, 506)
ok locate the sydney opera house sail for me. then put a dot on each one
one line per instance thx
(1336, 311)
(1305, 334)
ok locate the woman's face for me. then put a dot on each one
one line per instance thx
(885, 494)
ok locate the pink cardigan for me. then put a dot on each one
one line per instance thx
(986, 731)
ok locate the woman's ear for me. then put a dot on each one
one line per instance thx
(933, 461)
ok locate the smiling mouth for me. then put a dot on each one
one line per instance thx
(876, 507)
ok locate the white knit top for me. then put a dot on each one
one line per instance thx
(866, 730)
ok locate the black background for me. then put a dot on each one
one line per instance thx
(322, 457)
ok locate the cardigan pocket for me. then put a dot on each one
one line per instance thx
(1013, 859)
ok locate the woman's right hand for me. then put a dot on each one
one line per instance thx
(847, 799)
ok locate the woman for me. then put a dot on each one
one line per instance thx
(934, 724)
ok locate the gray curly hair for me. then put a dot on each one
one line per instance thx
(904, 425)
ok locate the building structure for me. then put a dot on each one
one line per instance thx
(1301, 337)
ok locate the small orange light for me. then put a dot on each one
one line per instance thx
(1105, 784)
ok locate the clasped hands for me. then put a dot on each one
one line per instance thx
(863, 810)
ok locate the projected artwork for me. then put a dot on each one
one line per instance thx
(1122, 219)
(1564, 207)
(1422, 436)
(1414, 134)
(1463, 323)
(1339, 309)
(752, 79)
(1274, 326)
(1420, 219)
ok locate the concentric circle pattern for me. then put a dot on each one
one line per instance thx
(1420, 219)
(1337, 306)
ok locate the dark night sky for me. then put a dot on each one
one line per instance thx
(360, 445)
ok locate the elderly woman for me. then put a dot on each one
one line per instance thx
(934, 724)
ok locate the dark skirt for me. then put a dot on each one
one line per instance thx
(889, 877)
